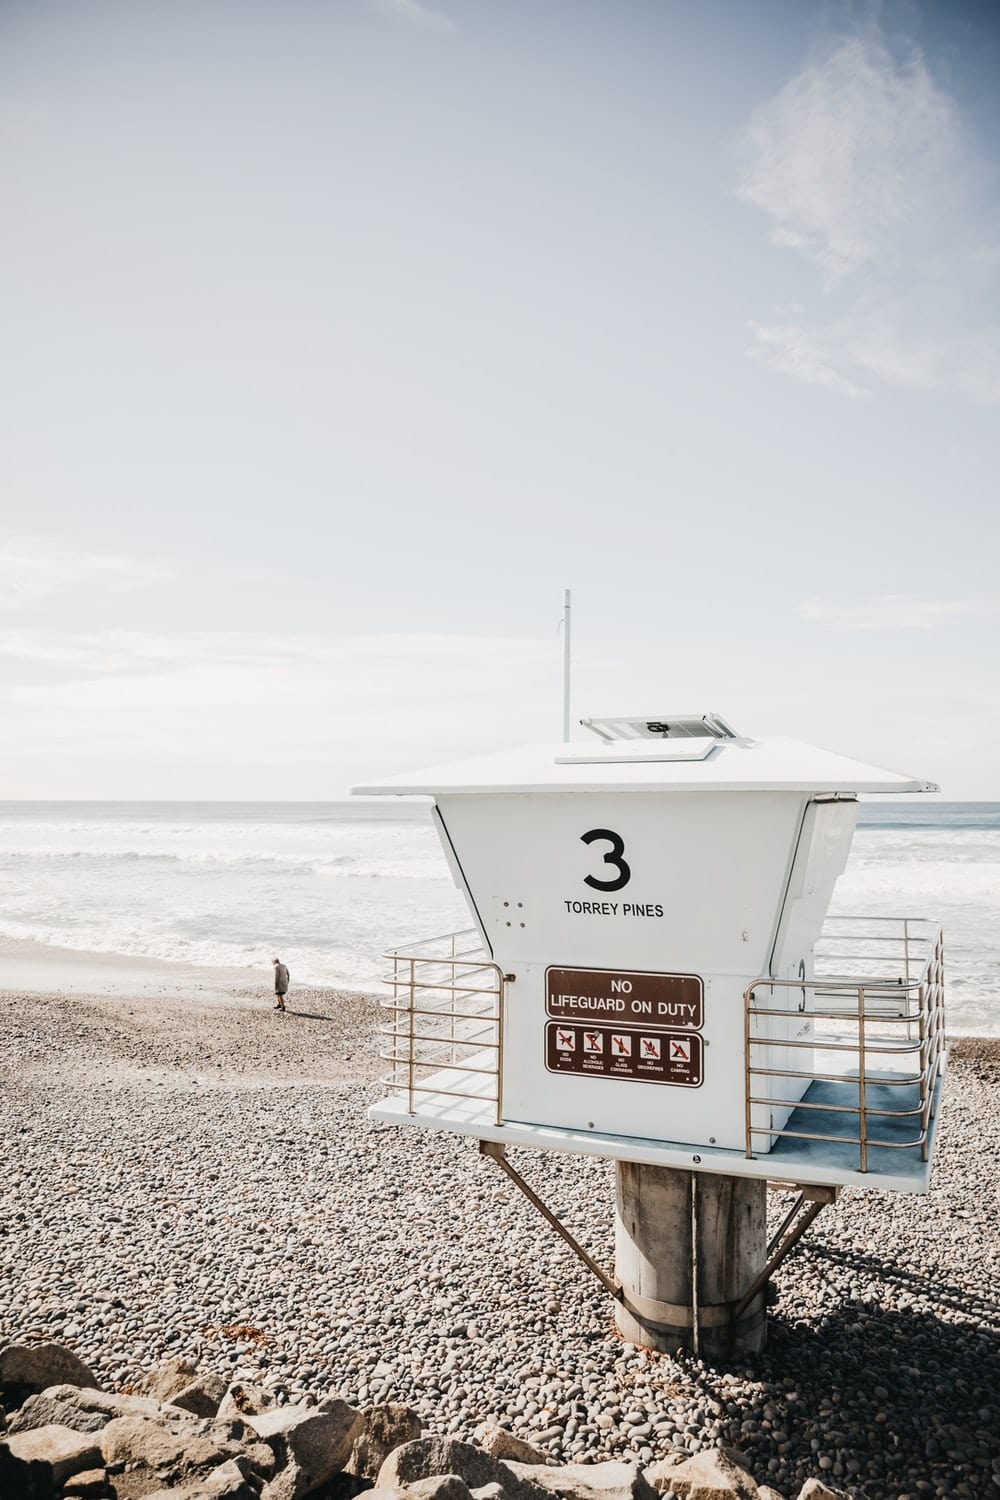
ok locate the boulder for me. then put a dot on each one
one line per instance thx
(227, 1482)
(765, 1492)
(44, 1411)
(613, 1480)
(815, 1489)
(709, 1475)
(430, 1456)
(385, 1428)
(167, 1379)
(311, 1444)
(106, 1404)
(62, 1450)
(27, 1368)
(488, 1492)
(438, 1487)
(202, 1396)
(179, 1453)
(493, 1438)
(89, 1484)
(244, 1400)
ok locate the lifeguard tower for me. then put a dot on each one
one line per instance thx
(652, 976)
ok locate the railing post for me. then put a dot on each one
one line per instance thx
(862, 1093)
(500, 1004)
(926, 1057)
(747, 1085)
(413, 1005)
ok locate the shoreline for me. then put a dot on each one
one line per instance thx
(192, 1173)
(40, 968)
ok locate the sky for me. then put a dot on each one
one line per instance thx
(340, 336)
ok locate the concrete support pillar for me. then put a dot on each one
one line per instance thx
(687, 1246)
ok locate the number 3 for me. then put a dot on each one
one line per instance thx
(614, 858)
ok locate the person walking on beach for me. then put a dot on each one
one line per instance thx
(281, 977)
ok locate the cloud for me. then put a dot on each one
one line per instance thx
(844, 157)
(896, 612)
(864, 168)
(856, 353)
(32, 569)
(412, 13)
(808, 354)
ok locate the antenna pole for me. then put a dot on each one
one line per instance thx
(566, 661)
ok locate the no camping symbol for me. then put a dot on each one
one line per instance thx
(680, 1051)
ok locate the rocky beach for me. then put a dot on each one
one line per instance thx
(188, 1174)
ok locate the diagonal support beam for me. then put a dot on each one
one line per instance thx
(774, 1260)
(497, 1151)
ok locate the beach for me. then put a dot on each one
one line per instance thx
(189, 1172)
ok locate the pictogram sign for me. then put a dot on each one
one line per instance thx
(599, 1052)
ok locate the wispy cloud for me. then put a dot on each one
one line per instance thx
(870, 345)
(32, 569)
(812, 355)
(863, 166)
(896, 612)
(846, 154)
(413, 13)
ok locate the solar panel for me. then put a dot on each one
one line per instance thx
(662, 727)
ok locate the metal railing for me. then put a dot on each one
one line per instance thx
(882, 1019)
(444, 1034)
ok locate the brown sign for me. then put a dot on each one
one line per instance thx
(622, 996)
(638, 1056)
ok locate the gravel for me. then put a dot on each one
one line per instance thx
(197, 1176)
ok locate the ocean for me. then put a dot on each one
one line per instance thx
(330, 886)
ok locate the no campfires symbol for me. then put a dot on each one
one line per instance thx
(651, 1047)
(593, 1041)
(680, 1051)
(567, 1039)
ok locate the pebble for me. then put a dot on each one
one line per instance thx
(194, 1180)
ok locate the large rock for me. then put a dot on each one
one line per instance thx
(815, 1489)
(28, 1368)
(493, 1438)
(439, 1487)
(179, 1454)
(202, 1396)
(227, 1482)
(430, 1456)
(62, 1450)
(709, 1475)
(44, 1411)
(89, 1484)
(167, 1379)
(311, 1444)
(385, 1428)
(105, 1404)
(612, 1480)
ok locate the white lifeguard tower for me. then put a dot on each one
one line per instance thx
(652, 977)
